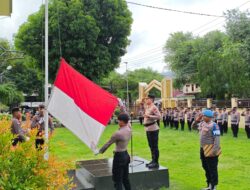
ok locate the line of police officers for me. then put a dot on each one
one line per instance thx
(175, 117)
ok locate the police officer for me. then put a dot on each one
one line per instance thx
(235, 120)
(219, 121)
(247, 121)
(176, 118)
(171, 119)
(168, 117)
(164, 117)
(193, 114)
(215, 114)
(210, 147)
(151, 115)
(121, 138)
(16, 128)
(225, 120)
(182, 118)
(189, 118)
(38, 122)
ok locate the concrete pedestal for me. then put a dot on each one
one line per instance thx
(97, 175)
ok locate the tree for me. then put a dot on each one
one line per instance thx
(94, 35)
(118, 85)
(179, 48)
(211, 62)
(238, 30)
(210, 71)
(27, 83)
(9, 95)
(24, 75)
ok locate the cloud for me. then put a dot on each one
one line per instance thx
(150, 28)
(153, 27)
(21, 10)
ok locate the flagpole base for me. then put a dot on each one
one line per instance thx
(97, 175)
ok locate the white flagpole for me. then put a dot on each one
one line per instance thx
(46, 95)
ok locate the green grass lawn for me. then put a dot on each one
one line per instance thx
(179, 151)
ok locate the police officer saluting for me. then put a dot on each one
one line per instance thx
(121, 138)
(210, 147)
(151, 115)
(247, 121)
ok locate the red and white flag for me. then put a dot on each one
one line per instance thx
(81, 105)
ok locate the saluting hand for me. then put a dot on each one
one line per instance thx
(199, 118)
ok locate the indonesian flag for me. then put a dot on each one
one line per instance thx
(81, 105)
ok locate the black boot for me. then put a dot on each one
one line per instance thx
(149, 163)
(153, 165)
(209, 187)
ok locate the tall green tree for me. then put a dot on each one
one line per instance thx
(9, 95)
(24, 74)
(117, 83)
(210, 71)
(179, 48)
(93, 33)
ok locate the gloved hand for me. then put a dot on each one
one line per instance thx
(96, 152)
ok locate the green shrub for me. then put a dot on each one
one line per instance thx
(24, 168)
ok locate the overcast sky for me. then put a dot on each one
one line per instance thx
(150, 28)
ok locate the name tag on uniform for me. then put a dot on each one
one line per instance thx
(216, 130)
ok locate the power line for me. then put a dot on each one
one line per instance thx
(150, 51)
(147, 56)
(147, 52)
(174, 10)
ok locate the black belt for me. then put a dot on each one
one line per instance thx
(148, 124)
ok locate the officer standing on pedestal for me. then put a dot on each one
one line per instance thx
(151, 115)
(210, 147)
(247, 122)
(121, 138)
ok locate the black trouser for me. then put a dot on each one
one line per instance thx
(182, 124)
(189, 125)
(39, 140)
(167, 120)
(153, 137)
(247, 129)
(221, 128)
(176, 125)
(192, 120)
(235, 129)
(210, 165)
(19, 138)
(120, 170)
(225, 126)
(171, 123)
(141, 120)
(158, 122)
